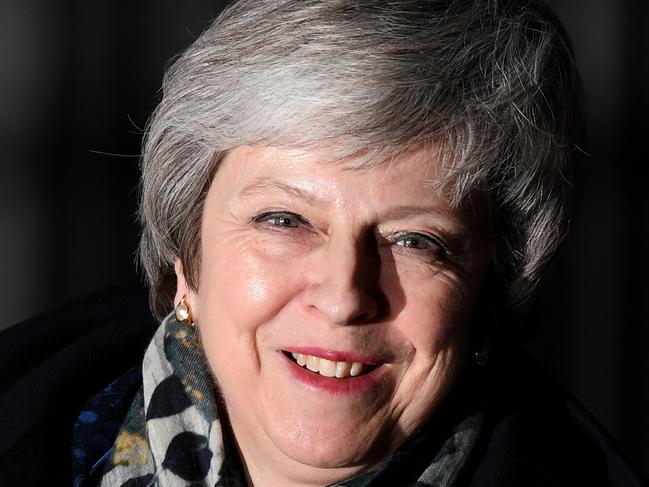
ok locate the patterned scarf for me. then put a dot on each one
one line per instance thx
(173, 435)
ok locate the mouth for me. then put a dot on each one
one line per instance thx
(330, 368)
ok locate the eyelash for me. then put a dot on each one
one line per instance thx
(269, 216)
(431, 243)
(274, 219)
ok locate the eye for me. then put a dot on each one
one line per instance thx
(420, 241)
(281, 219)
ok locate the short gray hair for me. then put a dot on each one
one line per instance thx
(490, 83)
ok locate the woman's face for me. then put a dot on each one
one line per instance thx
(365, 273)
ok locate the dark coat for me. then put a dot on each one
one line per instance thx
(535, 434)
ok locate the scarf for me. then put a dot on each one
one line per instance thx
(176, 434)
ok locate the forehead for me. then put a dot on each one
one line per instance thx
(404, 186)
(254, 169)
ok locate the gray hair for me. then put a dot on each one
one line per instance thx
(491, 84)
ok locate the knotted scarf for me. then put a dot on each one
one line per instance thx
(175, 434)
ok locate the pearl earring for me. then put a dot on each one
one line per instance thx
(184, 313)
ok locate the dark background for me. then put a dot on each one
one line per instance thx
(79, 78)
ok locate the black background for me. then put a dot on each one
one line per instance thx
(79, 78)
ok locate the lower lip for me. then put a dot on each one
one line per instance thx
(332, 385)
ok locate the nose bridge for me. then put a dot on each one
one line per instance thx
(343, 262)
(345, 294)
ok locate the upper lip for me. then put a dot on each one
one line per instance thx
(337, 355)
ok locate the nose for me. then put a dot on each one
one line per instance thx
(344, 287)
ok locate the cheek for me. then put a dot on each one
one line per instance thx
(242, 287)
(431, 293)
(435, 315)
(436, 330)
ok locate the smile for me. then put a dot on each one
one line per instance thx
(330, 368)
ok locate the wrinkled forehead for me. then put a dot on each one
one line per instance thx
(430, 159)
(393, 164)
(414, 175)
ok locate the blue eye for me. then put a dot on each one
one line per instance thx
(281, 219)
(419, 241)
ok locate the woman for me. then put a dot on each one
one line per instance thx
(349, 205)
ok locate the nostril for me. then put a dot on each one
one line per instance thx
(370, 308)
(347, 310)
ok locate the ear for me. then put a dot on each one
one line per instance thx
(182, 289)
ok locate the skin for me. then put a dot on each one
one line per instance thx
(299, 251)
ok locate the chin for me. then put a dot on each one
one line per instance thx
(332, 443)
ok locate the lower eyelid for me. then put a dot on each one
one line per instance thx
(421, 256)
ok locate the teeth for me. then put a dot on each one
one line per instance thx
(312, 363)
(356, 369)
(342, 369)
(329, 368)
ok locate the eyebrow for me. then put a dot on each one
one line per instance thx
(448, 221)
(261, 184)
(401, 212)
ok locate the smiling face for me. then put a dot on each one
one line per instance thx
(364, 276)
